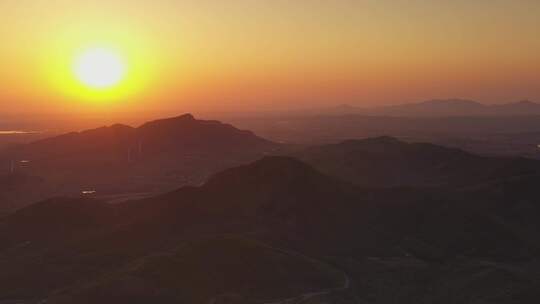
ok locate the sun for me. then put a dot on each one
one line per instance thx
(99, 68)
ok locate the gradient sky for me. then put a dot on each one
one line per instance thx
(248, 55)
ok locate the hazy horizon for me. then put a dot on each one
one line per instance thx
(183, 56)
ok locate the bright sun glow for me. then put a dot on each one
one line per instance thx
(99, 68)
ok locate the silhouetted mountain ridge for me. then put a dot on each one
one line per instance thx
(183, 132)
(445, 107)
(156, 157)
(387, 162)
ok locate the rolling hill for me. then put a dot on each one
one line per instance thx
(272, 230)
(389, 162)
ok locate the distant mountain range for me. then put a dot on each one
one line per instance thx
(155, 157)
(516, 131)
(389, 162)
(444, 107)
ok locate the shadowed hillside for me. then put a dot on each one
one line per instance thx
(276, 229)
(387, 162)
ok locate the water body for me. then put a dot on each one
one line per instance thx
(17, 132)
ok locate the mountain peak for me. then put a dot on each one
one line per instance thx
(452, 102)
(268, 166)
(187, 116)
(184, 118)
(270, 171)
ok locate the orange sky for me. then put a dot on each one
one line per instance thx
(248, 55)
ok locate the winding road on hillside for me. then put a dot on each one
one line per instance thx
(307, 296)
